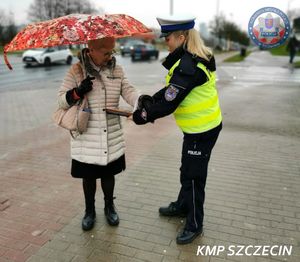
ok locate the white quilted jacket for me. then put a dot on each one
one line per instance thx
(103, 142)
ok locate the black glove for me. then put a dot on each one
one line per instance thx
(145, 101)
(140, 116)
(85, 86)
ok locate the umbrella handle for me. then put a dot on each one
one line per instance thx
(6, 60)
(83, 64)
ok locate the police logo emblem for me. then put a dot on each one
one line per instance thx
(269, 27)
(171, 93)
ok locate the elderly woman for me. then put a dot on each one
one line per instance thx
(100, 151)
(190, 93)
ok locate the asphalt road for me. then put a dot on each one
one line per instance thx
(22, 77)
(145, 74)
(28, 95)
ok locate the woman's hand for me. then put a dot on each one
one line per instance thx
(85, 86)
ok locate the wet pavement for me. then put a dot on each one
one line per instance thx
(252, 195)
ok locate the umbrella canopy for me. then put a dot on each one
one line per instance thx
(74, 29)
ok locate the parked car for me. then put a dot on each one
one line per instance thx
(46, 56)
(127, 47)
(144, 52)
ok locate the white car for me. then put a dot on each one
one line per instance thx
(46, 56)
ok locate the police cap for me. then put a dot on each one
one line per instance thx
(170, 24)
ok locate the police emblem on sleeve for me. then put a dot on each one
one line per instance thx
(171, 93)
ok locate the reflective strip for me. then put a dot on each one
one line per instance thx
(194, 204)
(199, 121)
(197, 107)
(170, 73)
(206, 71)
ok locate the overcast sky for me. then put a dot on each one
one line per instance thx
(239, 11)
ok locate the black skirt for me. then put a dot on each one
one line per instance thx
(84, 170)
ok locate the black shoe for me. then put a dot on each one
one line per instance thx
(111, 214)
(171, 211)
(88, 221)
(186, 236)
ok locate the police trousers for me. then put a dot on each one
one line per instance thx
(196, 152)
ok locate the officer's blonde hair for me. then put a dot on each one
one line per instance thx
(194, 43)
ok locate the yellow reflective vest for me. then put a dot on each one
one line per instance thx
(200, 110)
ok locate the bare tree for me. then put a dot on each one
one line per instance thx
(222, 28)
(11, 29)
(217, 26)
(8, 29)
(2, 23)
(41, 10)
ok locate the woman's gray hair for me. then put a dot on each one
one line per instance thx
(85, 61)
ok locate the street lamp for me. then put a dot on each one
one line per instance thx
(171, 7)
(217, 21)
(218, 7)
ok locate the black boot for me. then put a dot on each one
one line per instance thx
(186, 236)
(89, 189)
(171, 210)
(88, 220)
(110, 213)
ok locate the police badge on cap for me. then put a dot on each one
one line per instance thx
(171, 24)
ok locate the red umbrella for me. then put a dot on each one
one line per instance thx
(74, 29)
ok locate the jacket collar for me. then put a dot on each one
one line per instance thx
(173, 57)
(97, 68)
(178, 53)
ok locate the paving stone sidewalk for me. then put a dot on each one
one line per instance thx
(252, 194)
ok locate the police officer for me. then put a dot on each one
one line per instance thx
(190, 94)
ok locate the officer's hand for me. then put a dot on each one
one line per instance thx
(145, 101)
(85, 86)
(139, 117)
